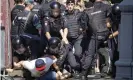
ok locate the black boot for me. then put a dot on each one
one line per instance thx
(84, 75)
(77, 75)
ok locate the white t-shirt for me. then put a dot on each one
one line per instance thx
(30, 65)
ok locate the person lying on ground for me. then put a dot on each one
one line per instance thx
(40, 68)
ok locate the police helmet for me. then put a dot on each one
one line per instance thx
(116, 9)
(55, 5)
(54, 46)
(54, 42)
(17, 42)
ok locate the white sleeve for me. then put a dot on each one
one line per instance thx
(27, 65)
(55, 60)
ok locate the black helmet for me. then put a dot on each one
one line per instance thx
(55, 5)
(17, 42)
(54, 46)
(54, 42)
(116, 9)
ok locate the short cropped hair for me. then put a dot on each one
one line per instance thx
(18, 1)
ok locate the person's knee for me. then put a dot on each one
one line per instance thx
(78, 52)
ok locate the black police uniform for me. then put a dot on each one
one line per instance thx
(63, 52)
(97, 24)
(53, 25)
(16, 10)
(36, 9)
(27, 24)
(72, 21)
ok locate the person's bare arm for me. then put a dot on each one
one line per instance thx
(108, 23)
(48, 35)
(113, 34)
(61, 33)
(65, 36)
(18, 65)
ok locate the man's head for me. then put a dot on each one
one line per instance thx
(55, 9)
(54, 45)
(19, 1)
(70, 4)
(29, 4)
(40, 65)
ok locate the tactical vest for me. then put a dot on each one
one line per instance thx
(24, 24)
(97, 18)
(73, 24)
(55, 26)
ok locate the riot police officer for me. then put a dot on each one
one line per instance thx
(45, 7)
(53, 22)
(73, 31)
(19, 7)
(28, 27)
(20, 49)
(63, 52)
(99, 32)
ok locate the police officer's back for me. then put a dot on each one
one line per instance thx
(19, 7)
(27, 24)
(27, 21)
(98, 15)
(97, 24)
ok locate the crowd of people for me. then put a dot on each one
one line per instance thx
(56, 40)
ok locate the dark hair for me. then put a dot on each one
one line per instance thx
(18, 1)
(38, 1)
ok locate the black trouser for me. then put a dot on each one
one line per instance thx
(77, 43)
(95, 41)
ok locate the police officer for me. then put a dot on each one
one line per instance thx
(99, 32)
(28, 27)
(113, 37)
(19, 7)
(20, 49)
(53, 23)
(73, 29)
(63, 52)
(45, 7)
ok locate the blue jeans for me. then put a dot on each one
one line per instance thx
(48, 76)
